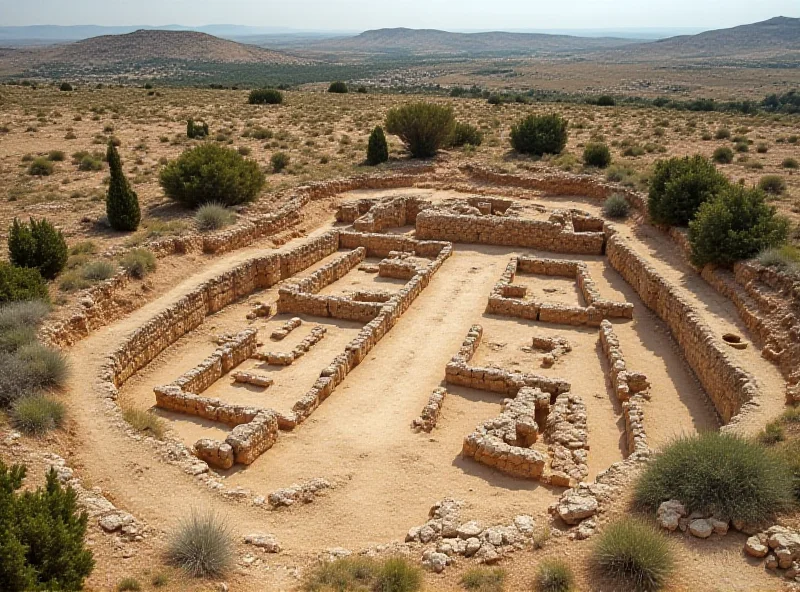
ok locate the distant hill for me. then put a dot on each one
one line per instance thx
(435, 42)
(777, 36)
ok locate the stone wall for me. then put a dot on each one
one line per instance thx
(730, 387)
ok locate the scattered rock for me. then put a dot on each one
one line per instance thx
(575, 506)
(701, 528)
(263, 541)
(755, 548)
(470, 530)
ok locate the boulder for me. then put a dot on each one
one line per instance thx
(470, 530)
(755, 548)
(574, 507)
(701, 528)
(263, 541)
(669, 514)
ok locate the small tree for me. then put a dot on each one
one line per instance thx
(279, 161)
(464, 133)
(211, 173)
(195, 130)
(597, 154)
(265, 96)
(540, 134)
(37, 245)
(736, 225)
(679, 186)
(41, 536)
(338, 87)
(66, 87)
(422, 127)
(377, 148)
(122, 204)
(18, 284)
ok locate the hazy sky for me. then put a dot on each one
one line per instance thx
(368, 14)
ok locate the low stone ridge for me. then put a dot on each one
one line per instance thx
(448, 537)
(284, 330)
(555, 348)
(267, 542)
(672, 515)
(303, 493)
(568, 440)
(430, 414)
(287, 358)
(506, 298)
(243, 377)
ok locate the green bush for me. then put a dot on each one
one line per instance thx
(718, 474)
(37, 414)
(398, 574)
(338, 87)
(484, 579)
(122, 203)
(722, 155)
(46, 367)
(790, 163)
(554, 575)
(786, 258)
(37, 245)
(342, 575)
(377, 148)
(129, 585)
(597, 154)
(213, 216)
(790, 453)
(279, 161)
(495, 99)
(202, 544)
(772, 184)
(196, 129)
(41, 536)
(539, 135)
(73, 281)
(138, 262)
(65, 87)
(735, 225)
(679, 186)
(772, 433)
(605, 101)
(635, 554)
(14, 338)
(464, 133)
(144, 421)
(265, 96)
(211, 173)
(97, 271)
(616, 206)
(19, 284)
(723, 133)
(41, 167)
(422, 127)
(56, 156)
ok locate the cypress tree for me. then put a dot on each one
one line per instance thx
(122, 204)
(377, 149)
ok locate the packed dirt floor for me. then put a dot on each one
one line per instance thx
(385, 476)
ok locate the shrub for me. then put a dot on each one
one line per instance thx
(23, 314)
(72, 281)
(597, 154)
(634, 554)
(735, 225)
(786, 258)
(279, 161)
(37, 414)
(46, 367)
(90, 162)
(398, 574)
(464, 133)
(554, 575)
(723, 155)
(341, 575)
(202, 544)
(129, 584)
(790, 163)
(213, 216)
(616, 206)
(97, 271)
(422, 127)
(762, 148)
(144, 421)
(122, 203)
(37, 245)
(377, 148)
(338, 87)
(42, 535)
(19, 284)
(679, 186)
(719, 474)
(196, 130)
(138, 262)
(495, 99)
(41, 167)
(605, 101)
(772, 434)
(265, 96)
(14, 338)
(723, 133)
(773, 184)
(56, 156)
(211, 173)
(159, 580)
(65, 87)
(540, 134)
(790, 453)
(482, 579)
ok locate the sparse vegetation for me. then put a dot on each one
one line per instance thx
(719, 474)
(211, 173)
(616, 206)
(634, 554)
(145, 422)
(398, 574)
(539, 135)
(484, 579)
(202, 544)
(422, 127)
(213, 216)
(41, 167)
(129, 585)
(554, 575)
(138, 262)
(37, 414)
